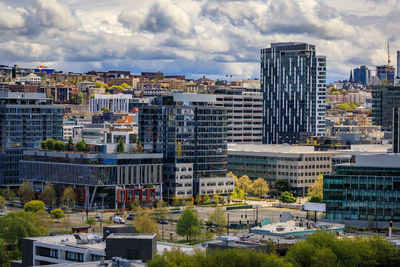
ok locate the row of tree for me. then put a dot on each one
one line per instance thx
(57, 145)
(320, 249)
(259, 187)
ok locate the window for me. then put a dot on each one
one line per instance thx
(73, 256)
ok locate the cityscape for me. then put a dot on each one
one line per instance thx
(206, 134)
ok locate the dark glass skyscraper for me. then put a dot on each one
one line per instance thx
(384, 99)
(293, 81)
(26, 119)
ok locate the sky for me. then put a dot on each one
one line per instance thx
(214, 38)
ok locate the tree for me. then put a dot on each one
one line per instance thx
(43, 145)
(282, 185)
(216, 198)
(79, 98)
(259, 187)
(218, 218)
(57, 214)
(124, 85)
(244, 183)
(70, 145)
(237, 193)
(91, 221)
(106, 109)
(98, 84)
(188, 224)
(139, 147)
(81, 146)
(316, 199)
(230, 174)
(25, 192)
(229, 198)
(15, 226)
(206, 198)
(134, 206)
(317, 188)
(59, 145)
(121, 146)
(161, 213)
(34, 206)
(68, 198)
(145, 224)
(197, 199)
(218, 257)
(287, 197)
(2, 202)
(326, 249)
(48, 195)
(50, 144)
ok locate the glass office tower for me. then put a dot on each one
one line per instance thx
(293, 81)
(26, 119)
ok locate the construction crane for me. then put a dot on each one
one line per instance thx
(387, 69)
(231, 75)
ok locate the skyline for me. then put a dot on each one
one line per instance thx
(194, 38)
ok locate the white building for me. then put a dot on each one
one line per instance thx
(116, 103)
(31, 79)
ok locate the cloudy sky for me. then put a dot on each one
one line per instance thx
(193, 37)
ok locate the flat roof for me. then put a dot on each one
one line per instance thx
(130, 235)
(376, 161)
(265, 148)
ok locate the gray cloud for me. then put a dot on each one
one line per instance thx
(195, 37)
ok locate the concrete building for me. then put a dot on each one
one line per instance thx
(115, 103)
(398, 64)
(293, 81)
(30, 79)
(396, 130)
(385, 72)
(244, 116)
(26, 119)
(188, 129)
(365, 193)
(121, 176)
(300, 165)
(384, 99)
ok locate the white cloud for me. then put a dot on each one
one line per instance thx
(197, 37)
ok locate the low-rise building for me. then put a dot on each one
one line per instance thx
(365, 193)
(300, 165)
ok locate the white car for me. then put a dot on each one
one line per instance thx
(118, 219)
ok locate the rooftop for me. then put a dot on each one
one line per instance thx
(376, 161)
(284, 148)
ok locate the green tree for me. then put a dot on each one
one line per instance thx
(215, 258)
(134, 206)
(259, 187)
(229, 198)
(326, 249)
(124, 85)
(2, 202)
(81, 146)
(218, 218)
(79, 98)
(59, 145)
(206, 199)
(43, 145)
(188, 224)
(91, 221)
(57, 214)
(34, 206)
(282, 185)
(91, 96)
(13, 228)
(287, 197)
(121, 146)
(49, 195)
(50, 144)
(70, 145)
(25, 192)
(230, 174)
(145, 224)
(316, 199)
(245, 183)
(106, 109)
(161, 213)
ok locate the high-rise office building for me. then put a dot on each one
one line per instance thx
(384, 99)
(385, 72)
(26, 119)
(191, 132)
(293, 81)
(361, 75)
(396, 130)
(398, 64)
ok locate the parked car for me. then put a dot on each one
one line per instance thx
(118, 219)
(2, 213)
(130, 216)
(162, 221)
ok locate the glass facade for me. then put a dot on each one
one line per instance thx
(187, 132)
(26, 119)
(384, 99)
(363, 193)
(293, 80)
